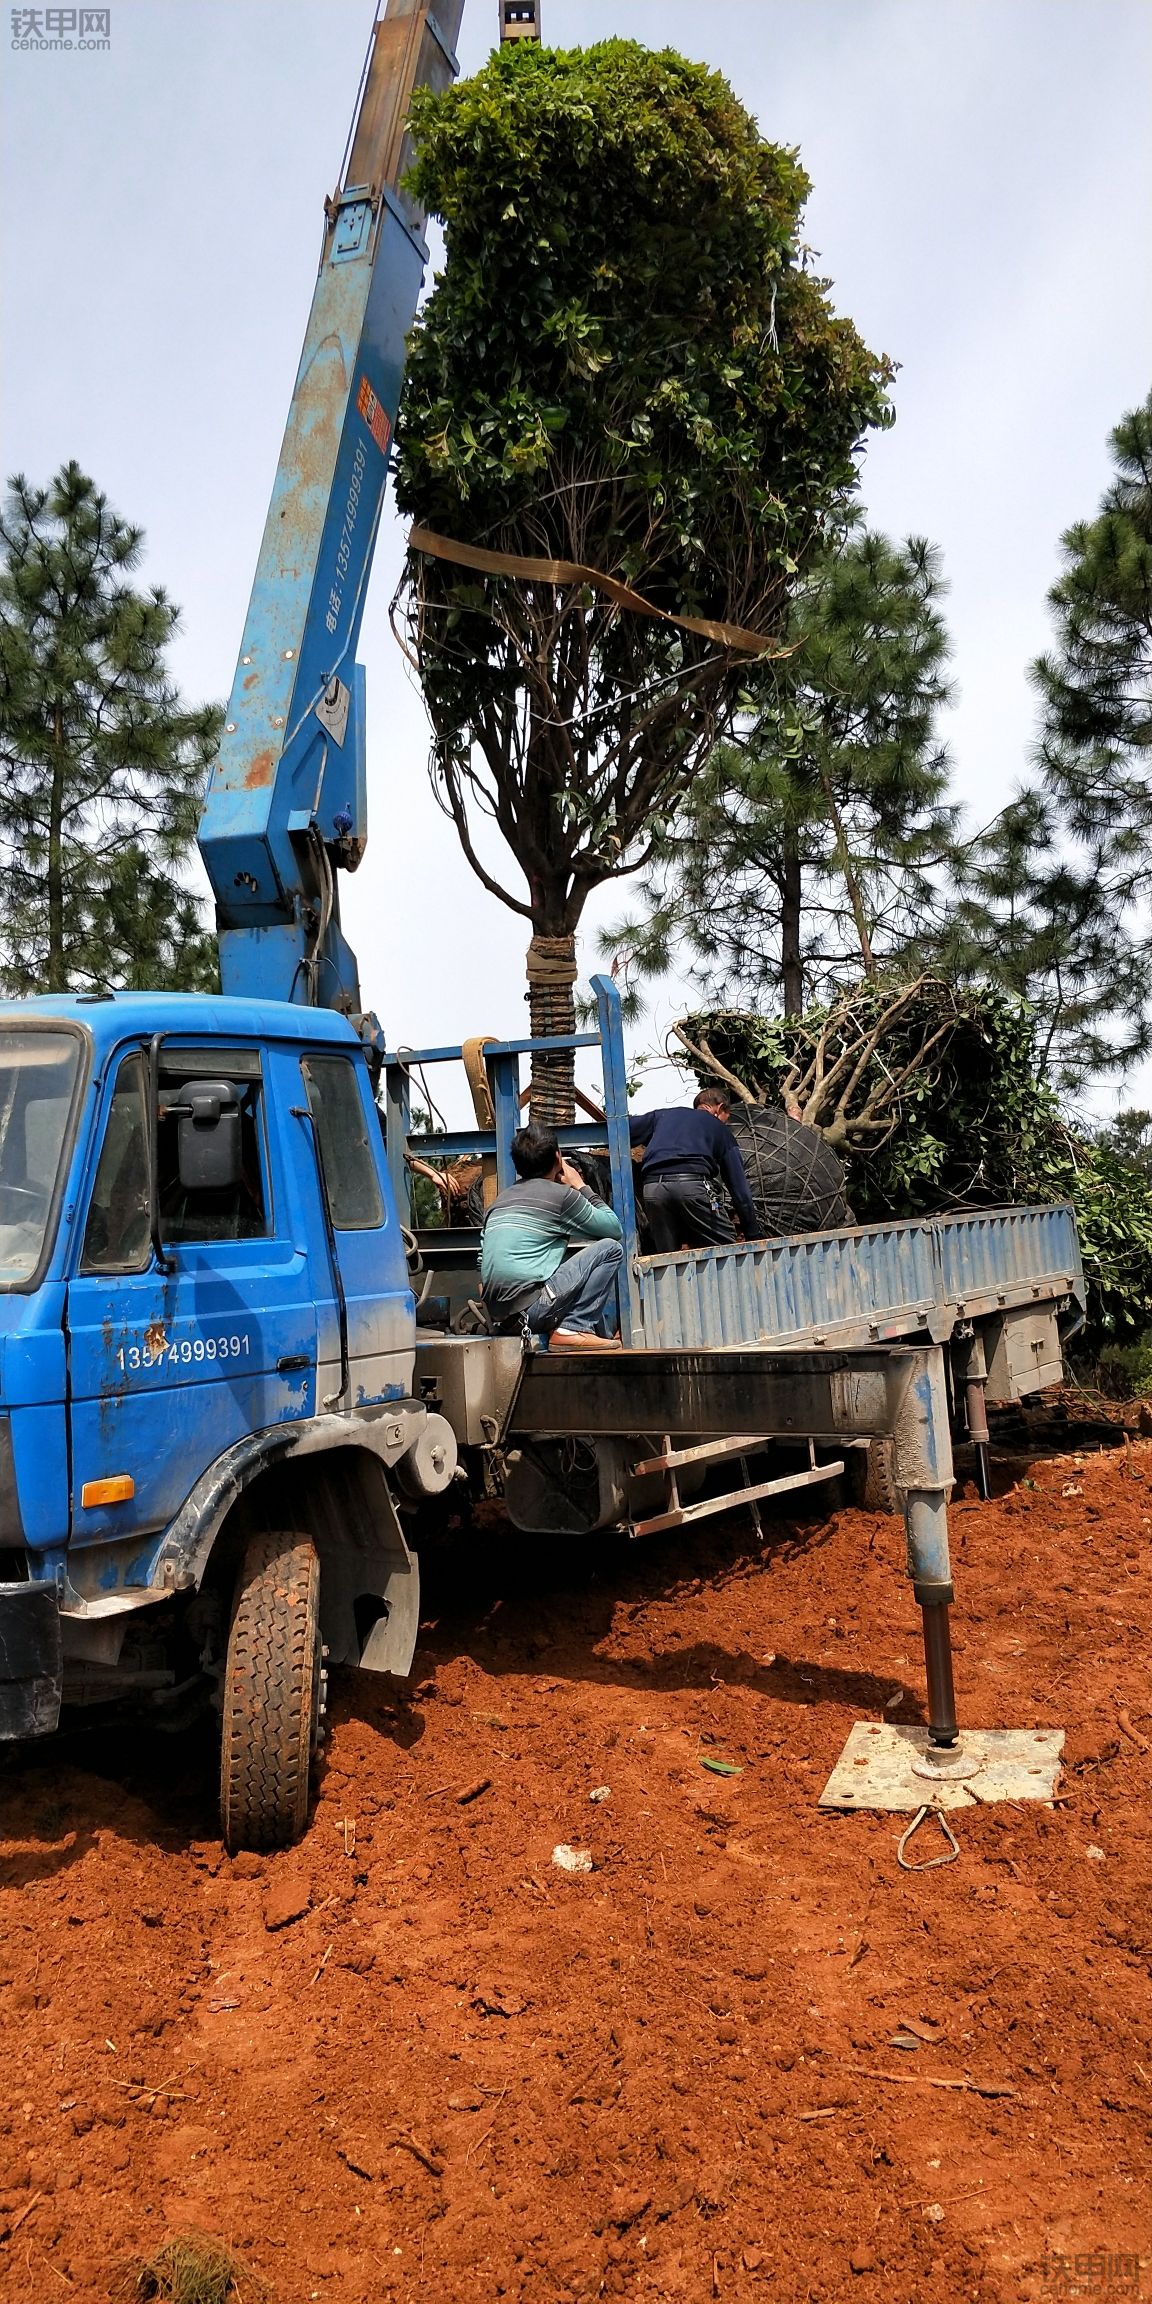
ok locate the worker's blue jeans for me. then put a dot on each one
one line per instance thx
(578, 1293)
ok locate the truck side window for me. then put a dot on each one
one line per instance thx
(116, 1236)
(345, 1146)
(237, 1214)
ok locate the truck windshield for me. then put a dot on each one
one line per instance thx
(37, 1076)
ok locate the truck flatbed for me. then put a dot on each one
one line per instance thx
(869, 1284)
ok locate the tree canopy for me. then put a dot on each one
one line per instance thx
(101, 762)
(627, 365)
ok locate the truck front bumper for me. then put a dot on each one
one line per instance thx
(31, 1660)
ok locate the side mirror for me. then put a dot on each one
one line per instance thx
(209, 1150)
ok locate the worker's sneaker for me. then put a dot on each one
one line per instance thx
(581, 1340)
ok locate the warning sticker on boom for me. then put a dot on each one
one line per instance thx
(375, 415)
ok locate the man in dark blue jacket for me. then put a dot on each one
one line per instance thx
(688, 1156)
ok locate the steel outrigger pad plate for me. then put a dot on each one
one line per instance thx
(883, 1766)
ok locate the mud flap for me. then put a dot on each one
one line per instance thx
(369, 1580)
(391, 1643)
(31, 1660)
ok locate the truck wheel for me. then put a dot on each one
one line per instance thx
(271, 1694)
(871, 1477)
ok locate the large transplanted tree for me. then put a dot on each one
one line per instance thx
(811, 845)
(101, 763)
(626, 367)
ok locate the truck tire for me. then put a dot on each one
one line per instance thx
(271, 1694)
(871, 1477)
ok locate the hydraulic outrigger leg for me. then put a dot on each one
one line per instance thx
(894, 1767)
(926, 1523)
(923, 1459)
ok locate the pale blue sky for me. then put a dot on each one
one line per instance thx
(982, 176)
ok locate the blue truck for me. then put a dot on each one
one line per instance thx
(235, 1375)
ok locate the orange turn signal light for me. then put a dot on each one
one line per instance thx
(120, 1489)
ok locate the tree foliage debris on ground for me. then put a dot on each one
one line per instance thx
(193, 2268)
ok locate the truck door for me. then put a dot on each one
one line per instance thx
(374, 1304)
(168, 1368)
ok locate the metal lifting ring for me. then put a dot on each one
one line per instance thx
(951, 1852)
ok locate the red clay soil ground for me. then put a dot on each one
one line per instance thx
(456, 2074)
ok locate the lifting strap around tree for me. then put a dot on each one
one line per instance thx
(552, 961)
(476, 1074)
(574, 572)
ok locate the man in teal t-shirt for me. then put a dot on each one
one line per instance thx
(525, 1272)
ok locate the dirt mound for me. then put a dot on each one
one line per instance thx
(744, 2056)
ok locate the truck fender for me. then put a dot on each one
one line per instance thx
(363, 1553)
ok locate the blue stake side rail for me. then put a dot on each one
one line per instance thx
(873, 1284)
(870, 1284)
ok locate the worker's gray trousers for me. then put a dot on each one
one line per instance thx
(579, 1293)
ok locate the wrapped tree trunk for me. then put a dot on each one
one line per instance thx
(551, 970)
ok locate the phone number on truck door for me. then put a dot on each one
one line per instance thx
(182, 1351)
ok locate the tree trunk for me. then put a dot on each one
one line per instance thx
(791, 961)
(852, 884)
(552, 1011)
(57, 981)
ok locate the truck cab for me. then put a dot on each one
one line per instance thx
(206, 1337)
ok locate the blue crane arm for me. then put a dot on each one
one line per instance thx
(286, 804)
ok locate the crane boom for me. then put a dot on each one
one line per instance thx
(286, 803)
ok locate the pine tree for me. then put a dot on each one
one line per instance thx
(1033, 914)
(1052, 900)
(810, 847)
(1096, 686)
(101, 762)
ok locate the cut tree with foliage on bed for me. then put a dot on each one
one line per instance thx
(626, 366)
(936, 1097)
